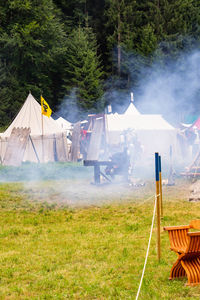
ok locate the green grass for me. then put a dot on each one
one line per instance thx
(67, 239)
(34, 171)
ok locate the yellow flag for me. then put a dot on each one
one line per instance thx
(46, 110)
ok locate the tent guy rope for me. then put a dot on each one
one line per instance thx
(147, 253)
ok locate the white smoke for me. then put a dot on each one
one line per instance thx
(172, 90)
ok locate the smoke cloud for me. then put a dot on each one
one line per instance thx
(171, 89)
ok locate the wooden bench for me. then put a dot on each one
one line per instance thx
(187, 246)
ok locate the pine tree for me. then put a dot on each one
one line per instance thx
(148, 42)
(83, 70)
(5, 104)
(32, 48)
(73, 12)
(181, 28)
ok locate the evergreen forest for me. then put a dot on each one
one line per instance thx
(83, 55)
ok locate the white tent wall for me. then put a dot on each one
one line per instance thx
(61, 147)
(3, 146)
(48, 145)
(157, 141)
(55, 147)
(154, 133)
(151, 140)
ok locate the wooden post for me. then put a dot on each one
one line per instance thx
(157, 203)
(96, 174)
(160, 180)
(42, 139)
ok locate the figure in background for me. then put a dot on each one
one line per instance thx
(84, 142)
(135, 150)
(120, 165)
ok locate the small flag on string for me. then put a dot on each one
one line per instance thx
(46, 110)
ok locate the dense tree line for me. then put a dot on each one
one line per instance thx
(79, 51)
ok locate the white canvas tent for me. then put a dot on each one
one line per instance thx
(64, 124)
(153, 131)
(66, 127)
(53, 139)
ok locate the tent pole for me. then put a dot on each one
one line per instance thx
(42, 139)
(34, 149)
(160, 186)
(1, 158)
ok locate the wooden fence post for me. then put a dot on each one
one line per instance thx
(160, 180)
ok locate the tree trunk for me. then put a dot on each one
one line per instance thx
(119, 43)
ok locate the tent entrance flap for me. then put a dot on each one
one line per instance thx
(16, 146)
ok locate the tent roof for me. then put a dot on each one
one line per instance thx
(137, 122)
(63, 123)
(30, 116)
(185, 125)
(148, 122)
(131, 110)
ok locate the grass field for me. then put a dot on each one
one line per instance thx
(67, 239)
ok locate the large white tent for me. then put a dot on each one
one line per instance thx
(153, 131)
(45, 133)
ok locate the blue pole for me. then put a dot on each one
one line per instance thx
(159, 160)
(157, 166)
(158, 202)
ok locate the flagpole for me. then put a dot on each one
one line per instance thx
(42, 133)
(45, 110)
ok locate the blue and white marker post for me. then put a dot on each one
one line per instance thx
(160, 180)
(157, 202)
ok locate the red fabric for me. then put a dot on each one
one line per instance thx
(83, 134)
(197, 124)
